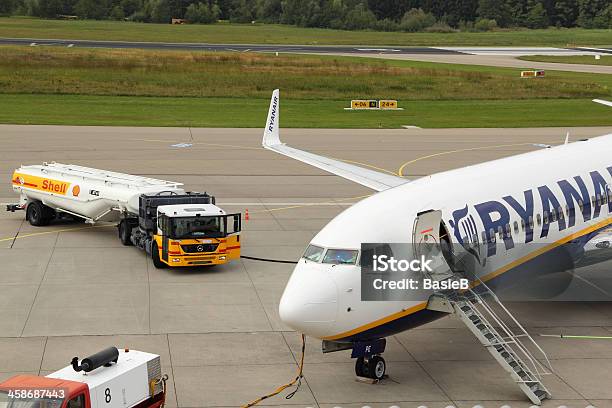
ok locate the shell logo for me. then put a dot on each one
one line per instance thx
(76, 190)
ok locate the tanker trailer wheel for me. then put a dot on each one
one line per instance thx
(125, 233)
(157, 262)
(38, 214)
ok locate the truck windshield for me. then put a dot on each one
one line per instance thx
(29, 400)
(196, 227)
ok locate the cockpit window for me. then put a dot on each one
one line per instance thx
(341, 256)
(314, 253)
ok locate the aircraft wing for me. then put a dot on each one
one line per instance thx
(271, 140)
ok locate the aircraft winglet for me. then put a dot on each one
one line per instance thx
(271, 132)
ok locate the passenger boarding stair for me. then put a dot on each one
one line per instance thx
(505, 341)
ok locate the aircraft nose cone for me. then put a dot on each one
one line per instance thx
(309, 303)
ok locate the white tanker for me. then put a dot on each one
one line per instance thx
(177, 228)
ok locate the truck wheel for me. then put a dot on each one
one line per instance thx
(125, 233)
(38, 214)
(157, 262)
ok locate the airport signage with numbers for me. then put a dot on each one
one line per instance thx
(373, 104)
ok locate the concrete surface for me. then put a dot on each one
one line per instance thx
(494, 60)
(69, 289)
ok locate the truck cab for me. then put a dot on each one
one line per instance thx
(31, 391)
(111, 378)
(196, 234)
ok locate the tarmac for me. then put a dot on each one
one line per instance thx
(70, 289)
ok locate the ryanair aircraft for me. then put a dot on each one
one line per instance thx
(506, 214)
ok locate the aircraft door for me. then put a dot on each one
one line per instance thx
(426, 243)
(427, 229)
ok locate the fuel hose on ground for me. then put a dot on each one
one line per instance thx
(297, 380)
(253, 258)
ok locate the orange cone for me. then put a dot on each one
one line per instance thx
(246, 214)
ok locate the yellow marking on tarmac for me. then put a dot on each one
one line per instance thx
(365, 165)
(400, 171)
(35, 234)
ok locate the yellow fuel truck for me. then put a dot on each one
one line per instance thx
(175, 227)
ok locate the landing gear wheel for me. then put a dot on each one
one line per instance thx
(125, 233)
(38, 214)
(157, 262)
(377, 367)
(374, 367)
(359, 367)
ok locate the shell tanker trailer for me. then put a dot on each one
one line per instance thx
(111, 378)
(175, 227)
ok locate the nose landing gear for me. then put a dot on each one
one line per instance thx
(373, 367)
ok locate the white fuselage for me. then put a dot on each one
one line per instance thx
(324, 300)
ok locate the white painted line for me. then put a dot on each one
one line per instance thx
(517, 51)
(378, 49)
(182, 145)
(410, 127)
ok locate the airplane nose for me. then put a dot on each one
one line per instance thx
(309, 303)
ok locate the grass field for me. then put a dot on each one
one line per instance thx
(234, 112)
(282, 34)
(248, 75)
(170, 88)
(573, 59)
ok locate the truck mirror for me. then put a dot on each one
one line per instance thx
(236, 222)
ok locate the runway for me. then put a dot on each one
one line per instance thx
(70, 289)
(316, 49)
(489, 56)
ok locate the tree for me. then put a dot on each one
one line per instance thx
(497, 10)
(416, 20)
(269, 10)
(7, 6)
(242, 11)
(49, 8)
(203, 13)
(566, 13)
(117, 13)
(157, 11)
(603, 19)
(31, 8)
(92, 9)
(359, 18)
(130, 6)
(588, 10)
(536, 16)
(391, 9)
